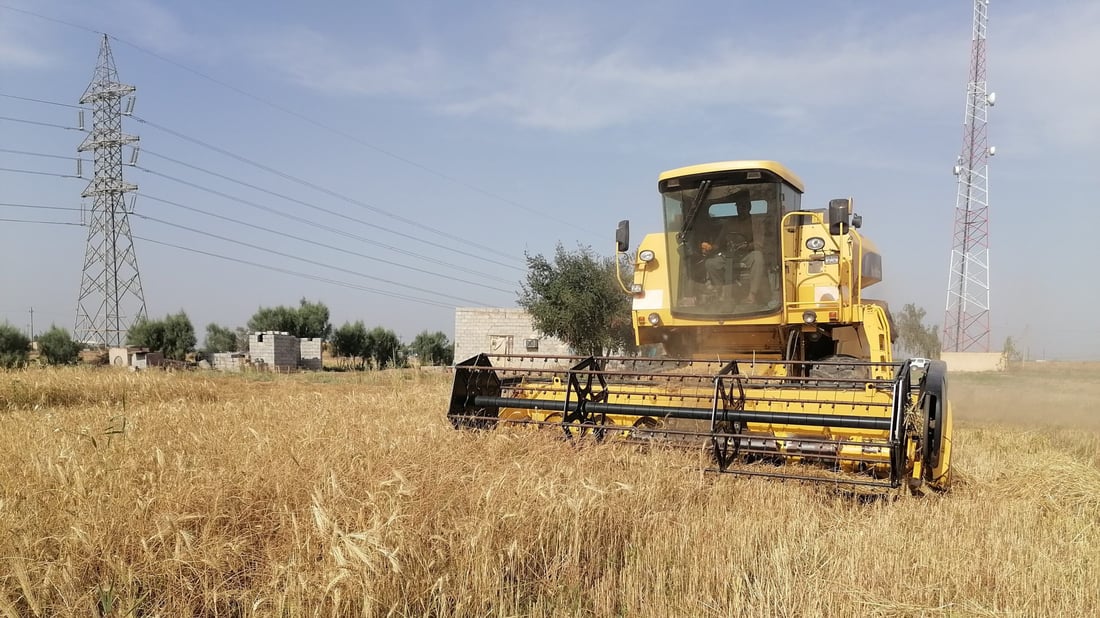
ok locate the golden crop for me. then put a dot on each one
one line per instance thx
(198, 494)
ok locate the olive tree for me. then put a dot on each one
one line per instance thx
(433, 348)
(57, 347)
(913, 336)
(174, 336)
(576, 298)
(14, 347)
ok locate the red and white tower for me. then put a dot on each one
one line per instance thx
(966, 321)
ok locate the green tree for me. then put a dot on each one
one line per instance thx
(913, 336)
(14, 346)
(313, 320)
(577, 299)
(281, 319)
(220, 339)
(57, 347)
(174, 336)
(350, 340)
(146, 333)
(385, 348)
(433, 348)
(306, 320)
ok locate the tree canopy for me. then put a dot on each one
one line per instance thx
(350, 341)
(57, 347)
(379, 345)
(174, 336)
(307, 320)
(433, 348)
(14, 346)
(913, 336)
(385, 348)
(577, 299)
(220, 339)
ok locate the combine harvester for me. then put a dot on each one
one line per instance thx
(770, 357)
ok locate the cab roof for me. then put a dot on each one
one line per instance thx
(733, 166)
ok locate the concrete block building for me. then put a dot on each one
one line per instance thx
(496, 330)
(227, 361)
(274, 350)
(310, 353)
(135, 358)
(278, 351)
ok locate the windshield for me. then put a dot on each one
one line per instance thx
(724, 243)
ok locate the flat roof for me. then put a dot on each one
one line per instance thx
(727, 166)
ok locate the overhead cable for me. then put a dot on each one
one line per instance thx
(354, 286)
(302, 259)
(321, 244)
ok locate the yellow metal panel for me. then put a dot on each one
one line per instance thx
(727, 166)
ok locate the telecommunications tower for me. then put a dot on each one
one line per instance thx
(110, 298)
(966, 321)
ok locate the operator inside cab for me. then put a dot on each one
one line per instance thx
(723, 228)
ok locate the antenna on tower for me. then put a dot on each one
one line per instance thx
(110, 298)
(966, 321)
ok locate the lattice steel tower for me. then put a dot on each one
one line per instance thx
(966, 321)
(110, 297)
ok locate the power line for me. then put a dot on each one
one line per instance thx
(42, 154)
(306, 183)
(259, 227)
(302, 259)
(299, 274)
(34, 100)
(40, 123)
(323, 226)
(41, 222)
(284, 196)
(305, 118)
(336, 282)
(325, 245)
(36, 172)
(53, 19)
(37, 206)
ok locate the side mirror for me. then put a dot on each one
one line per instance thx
(622, 236)
(840, 211)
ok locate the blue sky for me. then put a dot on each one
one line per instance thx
(509, 127)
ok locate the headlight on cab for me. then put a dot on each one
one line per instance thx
(646, 256)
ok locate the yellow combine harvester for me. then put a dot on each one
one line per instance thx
(769, 355)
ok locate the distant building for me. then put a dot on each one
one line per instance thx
(310, 350)
(495, 330)
(279, 351)
(135, 358)
(228, 361)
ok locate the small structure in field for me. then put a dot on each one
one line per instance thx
(498, 330)
(960, 362)
(228, 361)
(310, 349)
(280, 351)
(135, 358)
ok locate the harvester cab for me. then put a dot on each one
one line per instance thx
(757, 342)
(742, 268)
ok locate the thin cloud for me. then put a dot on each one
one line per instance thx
(153, 26)
(17, 49)
(311, 60)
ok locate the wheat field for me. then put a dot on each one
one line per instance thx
(198, 494)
